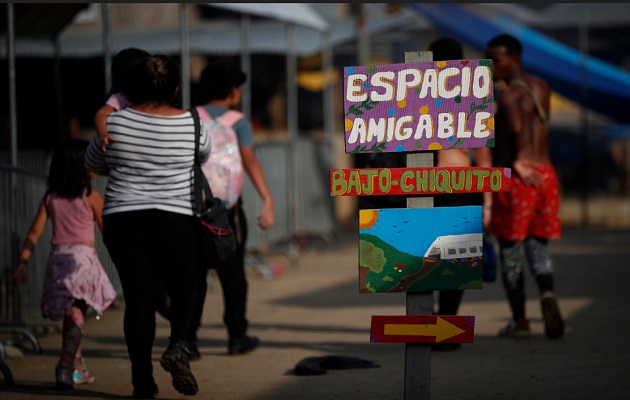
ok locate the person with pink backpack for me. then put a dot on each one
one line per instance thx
(231, 137)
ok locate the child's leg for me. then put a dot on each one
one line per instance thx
(73, 324)
(79, 363)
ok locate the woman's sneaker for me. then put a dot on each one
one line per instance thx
(175, 360)
(243, 345)
(516, 329)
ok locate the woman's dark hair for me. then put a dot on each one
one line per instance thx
(68, 176)
(127, 66)
(159, 82)
(218, 79)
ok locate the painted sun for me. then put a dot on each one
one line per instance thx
(367, 219)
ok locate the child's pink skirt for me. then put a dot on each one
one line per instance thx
(74, 272)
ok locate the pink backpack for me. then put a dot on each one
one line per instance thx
(224, 168)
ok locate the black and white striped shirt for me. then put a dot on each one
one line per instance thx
(150, 165)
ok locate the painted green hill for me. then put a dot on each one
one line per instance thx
(393, 270)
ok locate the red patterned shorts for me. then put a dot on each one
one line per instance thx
(528, 210)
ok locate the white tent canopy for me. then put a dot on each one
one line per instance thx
(221, 37)
(295, 13)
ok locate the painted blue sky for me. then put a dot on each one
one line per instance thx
(412, 230)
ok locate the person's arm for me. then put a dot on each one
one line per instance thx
(35, 232)
(100, 123)
(526, 170)
(95, 201)
(267, 216)
(95, 157)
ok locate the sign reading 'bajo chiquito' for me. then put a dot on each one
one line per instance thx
(413, 181)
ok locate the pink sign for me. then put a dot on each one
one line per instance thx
(419, 106)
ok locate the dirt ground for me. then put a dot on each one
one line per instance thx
(314, 309)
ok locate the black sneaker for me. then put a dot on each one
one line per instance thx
(243, 345)
(554, 325)
(175, 360)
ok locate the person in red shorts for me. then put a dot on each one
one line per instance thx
(528, 215)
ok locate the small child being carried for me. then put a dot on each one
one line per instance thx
(126, 65)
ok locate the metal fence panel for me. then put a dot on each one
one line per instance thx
(315, 208)
(273, 159)
(22, 306)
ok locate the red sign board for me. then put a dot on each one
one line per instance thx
(414, 181)
(422, 329)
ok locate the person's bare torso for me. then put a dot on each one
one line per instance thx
(521, 133)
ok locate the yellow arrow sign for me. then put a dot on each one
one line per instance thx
(442, 330)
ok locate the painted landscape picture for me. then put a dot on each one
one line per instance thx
(420, 249)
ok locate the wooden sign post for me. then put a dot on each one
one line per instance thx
(418, 356)
(414, 107)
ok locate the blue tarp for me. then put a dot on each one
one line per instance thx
(560, 65)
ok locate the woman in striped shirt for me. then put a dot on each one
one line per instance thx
(149, 225)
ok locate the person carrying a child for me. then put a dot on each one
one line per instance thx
(75, 278)
(150, 227)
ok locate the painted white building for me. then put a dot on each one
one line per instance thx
(448, 247)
